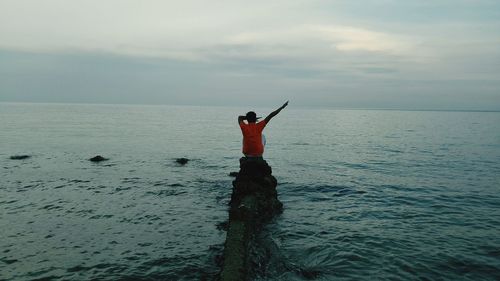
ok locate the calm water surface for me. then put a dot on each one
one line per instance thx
(401, 195)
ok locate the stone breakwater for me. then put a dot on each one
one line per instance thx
(254, 202)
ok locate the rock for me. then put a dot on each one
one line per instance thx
(98, 158)
(233, 174)
(182, 161)
(253, 203)
(223, 225)
(20, 157)
(255, 179)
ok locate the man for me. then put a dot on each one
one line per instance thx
(253, 141)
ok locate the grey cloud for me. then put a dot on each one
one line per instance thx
(320, 53)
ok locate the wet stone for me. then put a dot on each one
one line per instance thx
(19, 157)
(253, 203)
(98, 158)
(182, 161)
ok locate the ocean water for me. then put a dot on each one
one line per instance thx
(367, 194)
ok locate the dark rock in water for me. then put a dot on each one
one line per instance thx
(254, 202)
(255, 179)
(98, 158)
(20, 157)
(182, 161)
(233, 174)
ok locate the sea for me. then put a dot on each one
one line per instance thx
(367, 194)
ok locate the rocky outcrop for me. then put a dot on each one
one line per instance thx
(182, 161)
(254, 201)
(19, 157)
(98, 158)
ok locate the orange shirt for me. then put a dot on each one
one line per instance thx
(252, 138)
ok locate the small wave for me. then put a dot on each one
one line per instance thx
(344, 192)
(467, 266)
(300, 143)
(358, 166)
(166, 192)
(77, 268)
(79, 181)
(131, 180)
(51, 207)
(325, 192)
(494, 253)
(393, 150)
(320, 188)
(319, 199)
(159, 183)
(8, 261)
(118, 189)
(392, 137)
(82, 213)
(8, 202)
(100, 217)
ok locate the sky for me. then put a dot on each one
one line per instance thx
(436, 54)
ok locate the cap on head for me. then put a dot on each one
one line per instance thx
(251, 117)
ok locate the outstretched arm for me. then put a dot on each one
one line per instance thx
(241, 118)
(274, 113)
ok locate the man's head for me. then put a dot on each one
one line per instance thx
(251, 117)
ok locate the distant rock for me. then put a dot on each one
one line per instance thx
(98, 158)
(20, 157)
(182, 161)
(233, 174)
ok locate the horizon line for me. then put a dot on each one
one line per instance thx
(228, 105)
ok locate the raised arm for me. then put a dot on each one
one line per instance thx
(274, 113)
(241, 118)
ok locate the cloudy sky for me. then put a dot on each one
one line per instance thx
(439, 54)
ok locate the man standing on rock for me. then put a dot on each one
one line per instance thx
(253, 140)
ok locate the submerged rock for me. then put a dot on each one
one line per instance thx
(98, 158)
(254, 202)
(233, 174)
(182, 161)
(19, 157)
